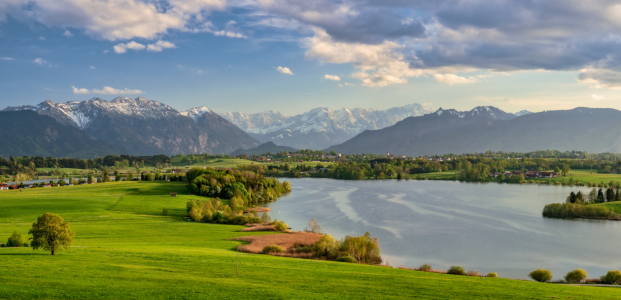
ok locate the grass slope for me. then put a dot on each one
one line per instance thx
(125, 249)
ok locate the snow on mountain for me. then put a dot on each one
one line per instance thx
(522, 113)
(196, 112)
(319, 127)
(81, 113)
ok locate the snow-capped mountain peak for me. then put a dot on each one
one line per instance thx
(196, 112)
(320, 127)
(522, 113)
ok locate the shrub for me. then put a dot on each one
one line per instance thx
(326, 246)
(612, 277)
(165, 211)
(281, 226)
(425, 268)
(347, 258)
(576, 276)
(15, 240)
(492, 274)
(456, 270)
(540, 275)
(272, 249)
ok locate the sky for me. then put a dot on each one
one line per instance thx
(296, 55)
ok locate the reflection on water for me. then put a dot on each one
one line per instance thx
(485, 227)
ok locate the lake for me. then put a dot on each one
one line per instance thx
(486, 227)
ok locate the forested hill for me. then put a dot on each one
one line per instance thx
(594, 130)
(268, 147)
(28, 133)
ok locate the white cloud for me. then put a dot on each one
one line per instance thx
(600, 78)
(80, 91)
(6, 58)
(230, 34)
(68, 33)
(42, 62)
(380, 65)
(453, 79)
(42, 38)
(597, 97)
(122, 48)
(92, 68)
(106, 90)
(157, 47)
(331, 77)
(284, 70)
(106, 51)
(116, 19)
(346, 84)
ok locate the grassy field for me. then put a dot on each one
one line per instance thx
(234, 162)
(125, 249)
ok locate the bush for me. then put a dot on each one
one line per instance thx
(425, 268)
(15, 240)
(540, 275)
(272, 249)
(492, 274)
(456, 270)
(347, 258)
(281, 226)
(612, 277)
(165, 211)
(576, 276)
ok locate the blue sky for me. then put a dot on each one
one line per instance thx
(226, 55)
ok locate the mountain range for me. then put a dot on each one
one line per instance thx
(145, 127)
(485, 128)
(321, 127)
(28, 133)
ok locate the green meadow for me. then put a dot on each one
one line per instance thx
(125, 248)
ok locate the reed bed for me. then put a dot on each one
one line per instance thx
(258, 227)
(286, 241)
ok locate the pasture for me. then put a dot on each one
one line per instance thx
(125, 248)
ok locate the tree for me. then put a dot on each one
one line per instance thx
(130, 176)
(610, 195)
(51, 233)
(565, 170)
(15, 240)
(104, 176)
(600, 196)
(313, 227)
(557, 170)
(287, 167)
(117, 176)
(592, 198)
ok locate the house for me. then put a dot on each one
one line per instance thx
(13, 187)
(47, 185)
(531, 174)
(175, 171)
(4, 187)
(613, 172)
(173, 194)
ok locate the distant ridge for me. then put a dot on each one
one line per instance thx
(27, 133)
(147, 127)
(262, 149)
(320, 127)
(594, 130)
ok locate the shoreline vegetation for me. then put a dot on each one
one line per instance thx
(153, 244)
(597, 204)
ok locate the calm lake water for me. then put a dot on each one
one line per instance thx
(485, 227)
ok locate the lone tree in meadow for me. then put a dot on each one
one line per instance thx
(50, 233)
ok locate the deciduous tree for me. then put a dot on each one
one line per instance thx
(51, 233)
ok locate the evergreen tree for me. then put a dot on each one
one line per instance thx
(572, 197)
(600, 196)
(610, 195)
